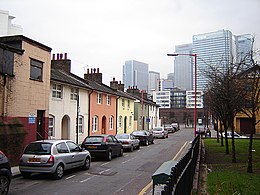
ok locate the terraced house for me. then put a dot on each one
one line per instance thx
(25, 84)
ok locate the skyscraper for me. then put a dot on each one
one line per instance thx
(215, 49)
(244, 46)
(183, 67)
(135, 74)
(153, 82)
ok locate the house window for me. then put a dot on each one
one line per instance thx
(99, 98)
(36, 70)
(51, 125)
(74, 94)
(111, 122)
(123, 102)
(128, 104)
(108, 100)
(120, 122)
(94, 123)
(57, 91)
(80, 124)
(130, 121)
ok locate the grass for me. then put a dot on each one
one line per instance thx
(227, 178)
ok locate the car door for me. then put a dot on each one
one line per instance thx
(63, 154)
(77, 157)
(116, 145)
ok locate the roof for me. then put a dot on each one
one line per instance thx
(10, 48)
(19, 38)
(68, 78)
(101, 87)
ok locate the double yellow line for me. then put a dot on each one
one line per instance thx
(151, 183)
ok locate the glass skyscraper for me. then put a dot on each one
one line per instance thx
(213, 49)
(135, 74)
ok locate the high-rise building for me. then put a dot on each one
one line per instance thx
(244, 47)
(6, 26)
(183, 67)
(170, 76)
(135, 74)
(215, 49)
(153, 82)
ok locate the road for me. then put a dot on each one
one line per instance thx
(129, 174)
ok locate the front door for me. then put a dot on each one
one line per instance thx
(40, 133)
(104, 130)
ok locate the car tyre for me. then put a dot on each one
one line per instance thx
(4, 183)
(146, 142)
(25, 175)
(138, 147)
(131, 148)
(109, 155)
(121, 152)
(59, 172)
(86, 165)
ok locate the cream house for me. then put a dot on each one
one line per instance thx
(69, 102)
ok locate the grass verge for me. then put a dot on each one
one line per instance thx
(225, 177)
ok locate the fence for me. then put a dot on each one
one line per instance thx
(180, 180)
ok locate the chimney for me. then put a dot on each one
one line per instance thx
(114, 84)
(61, 64)
(121, 86)
(94, 76)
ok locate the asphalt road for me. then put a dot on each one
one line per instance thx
(129, 174)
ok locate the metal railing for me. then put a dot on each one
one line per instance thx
(181, 178)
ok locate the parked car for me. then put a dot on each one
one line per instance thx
(236, 135)
(5, 174)
(200, 129)
(128, 141)
(103, 146)
(54, 157)
(160, 132)
(176, 126)
(145, 137)
(170, 128)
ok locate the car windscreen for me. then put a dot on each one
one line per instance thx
(38, 148)
(157, 129)
(138, 133)
(122, 136)
(94, 139)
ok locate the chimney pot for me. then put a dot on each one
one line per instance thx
(97, 70)
(88, 71)
(53, 56)
(58, 56)
(65, 56)
(61, 56)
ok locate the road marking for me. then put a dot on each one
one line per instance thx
(70, 176)
(103, 171)
(104, 164)
(87, 179)
(128, 160)
(143, 191)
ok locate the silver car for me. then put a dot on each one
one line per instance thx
(54, 157)
(128, 141)
(160, 132)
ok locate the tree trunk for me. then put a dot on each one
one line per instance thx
(234, 160)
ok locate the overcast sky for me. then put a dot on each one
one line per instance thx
(106, 33)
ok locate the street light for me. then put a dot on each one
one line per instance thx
(195, 83)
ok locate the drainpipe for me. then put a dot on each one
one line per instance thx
(117, 111)
(89, 111)
(4, 112)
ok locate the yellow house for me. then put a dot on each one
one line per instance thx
(125, 108)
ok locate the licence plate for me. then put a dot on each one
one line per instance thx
(92, 146)
(34, 160)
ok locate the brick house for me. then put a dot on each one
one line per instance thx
(26, 84)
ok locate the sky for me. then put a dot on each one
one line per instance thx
(105, 33)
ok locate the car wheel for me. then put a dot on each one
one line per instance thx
(4, 185)
(25, 175)
(121, 152)
(138, 147)
(146, 142)
(132, 148)
(109, 156)
(59, 172)
(86, 165)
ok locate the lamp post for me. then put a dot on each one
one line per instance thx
(195, 83)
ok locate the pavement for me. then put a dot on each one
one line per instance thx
(15, 171)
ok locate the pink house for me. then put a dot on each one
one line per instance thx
(102, 106)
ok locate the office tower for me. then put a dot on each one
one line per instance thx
(153, 82)
(6, 26)
(166, 84)
(135, 74)
(183, 67)
(170, 76)
(216, 49)
(244, 47)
